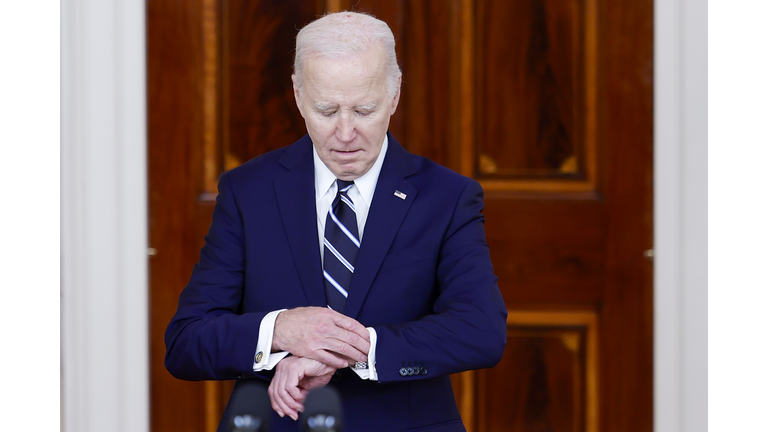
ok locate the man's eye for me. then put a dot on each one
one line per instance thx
(363, 113)
(328, 113)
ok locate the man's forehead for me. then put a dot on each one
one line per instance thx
(373, 55)
(321, 98)
(348, 91)
(330, 105)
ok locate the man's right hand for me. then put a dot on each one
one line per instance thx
(321, 334)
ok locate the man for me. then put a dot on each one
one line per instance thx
(343, 259)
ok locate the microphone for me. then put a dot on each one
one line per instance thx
(250, 407)
(322, 411)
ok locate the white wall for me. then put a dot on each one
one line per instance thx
(104, 320)
(680, 219)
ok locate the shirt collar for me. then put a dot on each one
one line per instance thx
(366, 184)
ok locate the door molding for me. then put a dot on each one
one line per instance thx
(104, 308)
(680, 216)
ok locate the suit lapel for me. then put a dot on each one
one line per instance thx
(384, 219)
(296, 200)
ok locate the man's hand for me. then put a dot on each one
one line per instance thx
(294, 378)
(321, 334)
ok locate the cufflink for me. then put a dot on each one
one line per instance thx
(259, 356)
(360, 365)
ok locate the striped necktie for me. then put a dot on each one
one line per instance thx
(342, 243)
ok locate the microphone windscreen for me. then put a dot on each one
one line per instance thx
(322, 411)
(250, 407)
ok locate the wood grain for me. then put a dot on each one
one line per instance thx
(259, 97)
(532, 54)
(175, 144)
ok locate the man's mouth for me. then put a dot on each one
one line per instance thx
(346, 153)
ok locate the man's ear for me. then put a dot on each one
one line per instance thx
(297, 94)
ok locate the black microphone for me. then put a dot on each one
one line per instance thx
(322, 411)
(250, 407)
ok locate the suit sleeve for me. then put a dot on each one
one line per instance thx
(468, 327)
(208, 338)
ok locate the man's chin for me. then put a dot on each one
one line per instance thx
(349, 176)
(347, 171)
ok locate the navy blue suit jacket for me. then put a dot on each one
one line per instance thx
(423, 279)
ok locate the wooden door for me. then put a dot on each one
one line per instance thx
(548, 103)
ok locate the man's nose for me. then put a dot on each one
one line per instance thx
(345, 128)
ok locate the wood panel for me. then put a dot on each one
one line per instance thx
(549, 371)
(535, 95)
(530, 56)
(261, 112)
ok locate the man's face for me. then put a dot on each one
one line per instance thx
(346, 107)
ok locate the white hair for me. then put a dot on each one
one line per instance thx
(342, 36)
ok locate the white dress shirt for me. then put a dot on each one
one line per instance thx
(325, 192)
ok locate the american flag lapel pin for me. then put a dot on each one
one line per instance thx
(400, 195)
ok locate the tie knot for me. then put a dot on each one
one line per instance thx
(344, 185)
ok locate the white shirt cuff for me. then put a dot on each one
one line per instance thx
(265, 359)
(370, 372)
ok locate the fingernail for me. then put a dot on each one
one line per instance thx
(294, 417)
(280, 413)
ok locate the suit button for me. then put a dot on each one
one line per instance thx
(403, 372)
(423, 370)
(336, 376)
(413, 371)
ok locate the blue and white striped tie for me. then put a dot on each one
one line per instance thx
(342, 244)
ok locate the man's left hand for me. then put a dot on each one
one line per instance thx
(294, 378)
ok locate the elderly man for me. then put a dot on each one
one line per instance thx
(342, 259)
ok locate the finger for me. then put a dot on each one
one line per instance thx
(344, 349)
(351, 325)
(329, 359)
(293, 376)
(296, 398)
(285, 369)
(282, 403)
(347, 361)
(275, 399)
(282, 396)
(303, 397)
(351, 332)
(362, 345)
(290, 412)
(291, 406)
